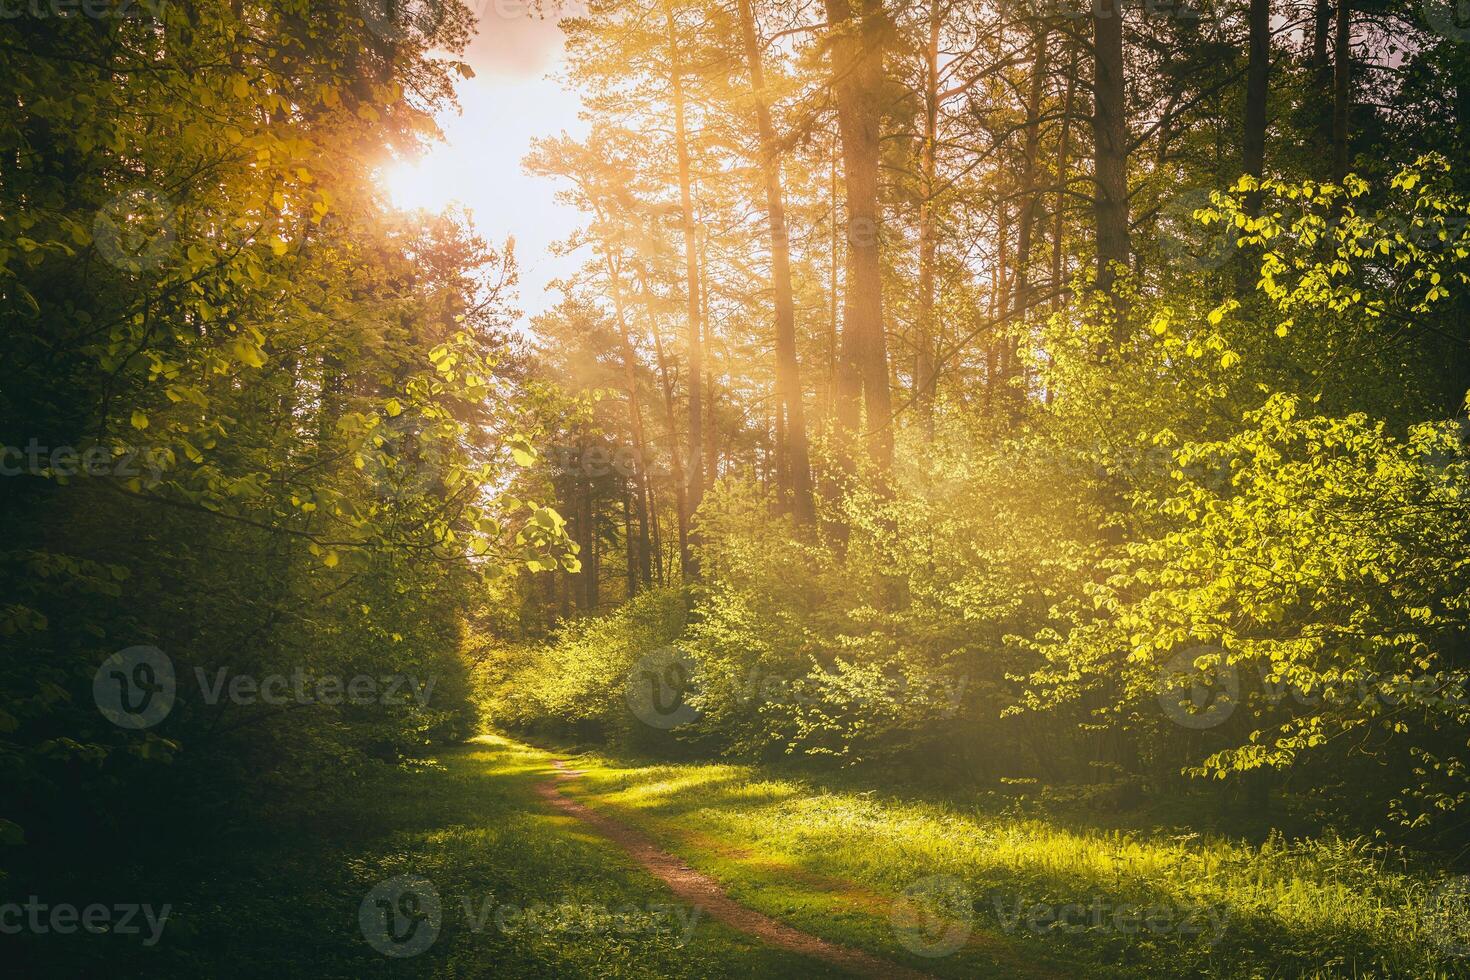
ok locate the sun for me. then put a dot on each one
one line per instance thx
(413, 184)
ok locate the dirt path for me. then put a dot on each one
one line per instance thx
(704, 892)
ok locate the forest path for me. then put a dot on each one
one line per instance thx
(704, 892)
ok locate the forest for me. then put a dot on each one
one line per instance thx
(983, 491)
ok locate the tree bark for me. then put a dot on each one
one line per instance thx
(635, 420)
(1029, 198)
(1253, 144)
(695, 474)
(1342, 62)
(924, 359)
(1258, 76)
(1110, 138)
(681, 500)
(862, 369)
(797, 461)
(1064, 167)
(1322, 70)
(711, 435)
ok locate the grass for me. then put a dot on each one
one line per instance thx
(952, 890)
(287, 906)
(835, 861)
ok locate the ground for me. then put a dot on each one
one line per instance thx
(555, 864)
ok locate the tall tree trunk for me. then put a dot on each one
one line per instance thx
(837, 262)
(1064, 167)
(1029, 198)
(635, 418)
(1253, 145)
(630, 546)
(592, 566)
(1342, 64)
(711, 392)
(695, 474)
(1322, 69)
(1110, 138)
(796, 462)
(924, 360)
(1000, 302)
(681, 500)
(1258, 76)
(862, 369)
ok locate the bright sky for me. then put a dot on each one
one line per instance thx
(509, 101)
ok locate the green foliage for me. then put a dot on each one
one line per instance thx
(576, 681)
(248, 415)
(1212, 500)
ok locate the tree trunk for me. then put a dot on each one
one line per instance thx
(1029, 199)
(695, 474)
(1110, 138)
(1064, 167)
(1322, 70)
(1253, 145)
(635, 419)
(711, 436)
(924, 360)
(1258, 75)
(834, 294)
(862, 369)
(681, 499)
(796, 461)
(1342, 63)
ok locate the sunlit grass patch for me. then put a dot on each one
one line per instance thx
(1145, 902)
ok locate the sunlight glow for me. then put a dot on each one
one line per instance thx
(510, 101)
(411, 185)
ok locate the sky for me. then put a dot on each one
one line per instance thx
(510, 100)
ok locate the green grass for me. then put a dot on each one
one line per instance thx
(829, 859)
(833, 861)
(287, 906)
